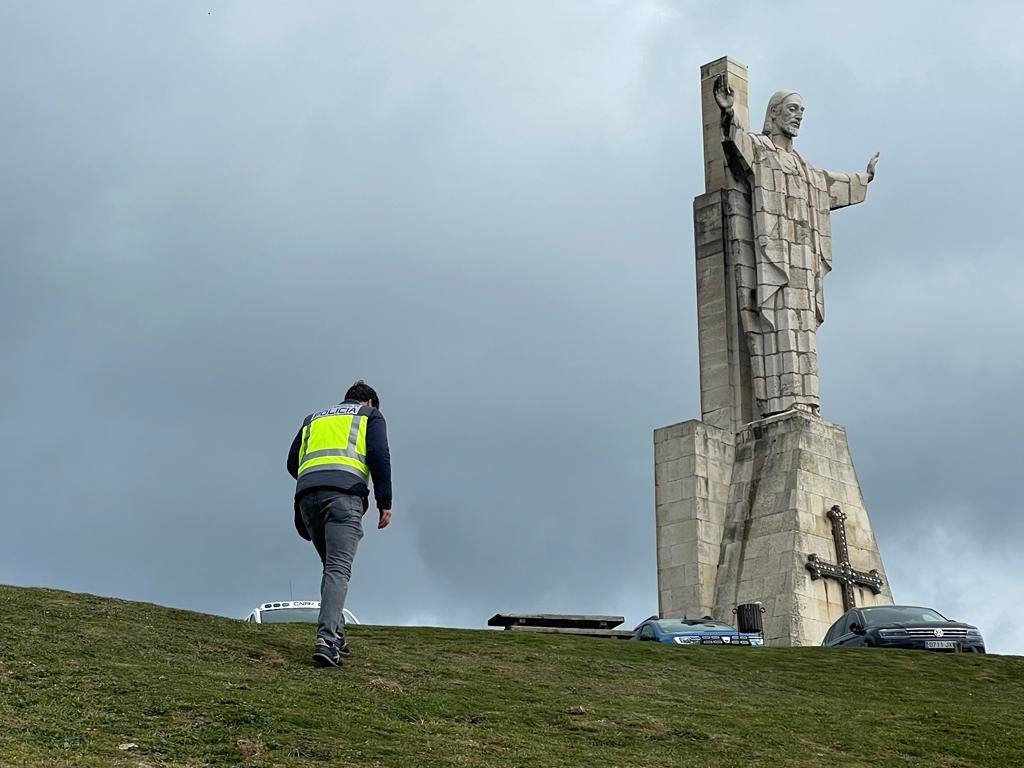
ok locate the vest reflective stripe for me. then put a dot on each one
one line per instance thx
(341, 463)
(329, 452)
(336, 441)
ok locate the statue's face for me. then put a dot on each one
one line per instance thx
(789, 114)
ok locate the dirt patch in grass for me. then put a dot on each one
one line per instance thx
(385, 686)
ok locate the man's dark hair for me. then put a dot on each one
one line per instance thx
(362, 392)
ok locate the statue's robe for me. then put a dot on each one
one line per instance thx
(779, 280)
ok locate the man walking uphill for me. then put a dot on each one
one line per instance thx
(332, 459)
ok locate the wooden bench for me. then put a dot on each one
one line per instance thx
(562, 624)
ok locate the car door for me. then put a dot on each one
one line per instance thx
(849, 638)
(842, 636)
(831, 635)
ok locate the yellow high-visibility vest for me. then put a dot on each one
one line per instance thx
(335, 439)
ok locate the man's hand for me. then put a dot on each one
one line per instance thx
(871, 166)
(385, 518)
(724, 94)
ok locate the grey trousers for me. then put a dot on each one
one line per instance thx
(335, 523)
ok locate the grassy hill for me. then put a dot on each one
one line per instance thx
(82, 677)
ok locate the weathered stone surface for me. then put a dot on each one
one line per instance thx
(693, 465)
(763, 236)
(777, 516)
(722, 215)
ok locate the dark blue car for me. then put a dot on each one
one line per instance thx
(903, 626)
(705, 631)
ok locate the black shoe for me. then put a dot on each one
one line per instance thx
(343, 647)
(325, 655)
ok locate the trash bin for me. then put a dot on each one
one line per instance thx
(748, 617)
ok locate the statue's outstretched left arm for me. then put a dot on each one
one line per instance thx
(850, 188)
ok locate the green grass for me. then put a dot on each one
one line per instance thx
(81, 675)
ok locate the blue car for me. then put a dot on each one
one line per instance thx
(705, 631)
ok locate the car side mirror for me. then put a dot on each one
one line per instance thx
(857, 628)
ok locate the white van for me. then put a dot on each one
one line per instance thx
(292, 611)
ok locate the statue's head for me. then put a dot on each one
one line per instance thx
(784, 114)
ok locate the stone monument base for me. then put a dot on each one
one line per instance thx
(738, 516)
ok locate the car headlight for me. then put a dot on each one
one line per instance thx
(685, 640)
(974, 633)
(757, 641)
(893, 633)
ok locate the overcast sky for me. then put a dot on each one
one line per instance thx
(216, 216)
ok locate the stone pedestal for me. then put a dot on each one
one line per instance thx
(788, 472)
(737, 517)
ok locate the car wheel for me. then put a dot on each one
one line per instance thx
(868, 644)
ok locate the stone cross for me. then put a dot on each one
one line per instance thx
(844, 573)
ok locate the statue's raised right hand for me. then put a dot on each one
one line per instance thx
(724, 93)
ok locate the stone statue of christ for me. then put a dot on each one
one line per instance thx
(779, 285)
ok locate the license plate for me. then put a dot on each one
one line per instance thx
(937, 644)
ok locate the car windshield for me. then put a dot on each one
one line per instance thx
(289, 615)
(691, 625)
(899, 614)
